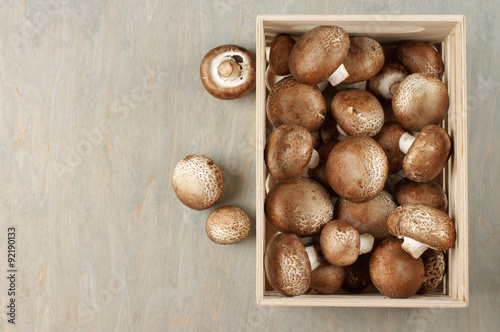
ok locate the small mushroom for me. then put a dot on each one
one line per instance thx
(341, 243)
(419, 57)
(383, 85)
(426, 154)
(279, 53)
(394, 272)
(301, 207)
(421, 227)
(327, 278)
(358, 112)
(291, 102)
(357, 168)
(357, 275)
(228, 72)
(227, 225)
(318, 55)
(426, 193)
(388, 138)
(364, 59)
(420, 99)
(197, 182)
(435, 268)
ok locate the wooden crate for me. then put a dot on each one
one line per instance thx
(448, 34)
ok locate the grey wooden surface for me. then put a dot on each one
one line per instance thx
(100, 99)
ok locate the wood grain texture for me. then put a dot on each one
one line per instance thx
(100, 99)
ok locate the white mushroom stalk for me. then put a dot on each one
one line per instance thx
(314, 162)
(413, 247)
(405, 142)
(365, 243)
(270, 183)
(338, 76)
(271, 78)
(313, 257)
(342, 133)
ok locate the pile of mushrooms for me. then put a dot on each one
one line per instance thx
(350, 168)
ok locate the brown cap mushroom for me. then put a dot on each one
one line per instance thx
(426, 154)
(435, 268)
(364, 59)
(341, 243)
(287, 265)
(357, 275)
(318, 54)
(301, 207)
(279, 53)
(358, 112)
(422, 227)
(357, 168)
(327, 278)
(420, 99)
(227, 225)
(383, 85)
(228, 72)
(419, 57)
(291, 102)
(426, 193)
(370, 216)
(197, 182)
(388, 138)
(394, 272)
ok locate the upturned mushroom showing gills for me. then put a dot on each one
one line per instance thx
(228, 72)
(419, 57)
(421, 227)
(364, 59)
(357, 168)
(426, 154)
(318, 55)
(301, 207)
(291, 102)
(227, 225)
(420, 100)
(426, 193)
(197, 182)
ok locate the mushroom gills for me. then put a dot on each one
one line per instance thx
(365, 243)
(405, 142)
(338, 75)
(413, 247)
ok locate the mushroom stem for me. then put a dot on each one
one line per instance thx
(342, 133)
(365, 243)
(313, 257)
(229, 69)
(272, 79)
(270, 183)
(413, 247)
(314, 162)
(405, 142)
(338, 76)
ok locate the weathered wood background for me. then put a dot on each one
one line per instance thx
(100, 99)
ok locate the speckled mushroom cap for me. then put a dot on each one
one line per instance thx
(370, 216)
(197, 181)
(426, 193)
(327, 278)
(302, 207)
(419, 57)
(358, 112)
(383, 85)
(288, 152)
(357, 168)
(420, 99)
(435, 268)
(228, 72)
(388, 139)
(428, 154)
(364, 59)
(357, 275)
(287, 265)
(424, 224)
(340, 243)
(394, 272)
(279, 53)
(227, 225)
(291, 102)
(318, 54)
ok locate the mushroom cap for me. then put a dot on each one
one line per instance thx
(420, 99)
(394, 272)
(287, 265)
(318, 54)
(428, 154)
(288, 152)
(291, 102)
(279, 53)
(388, 138)
(370, 216)
(339, 243)
(325, 149)
(424, 224)
(197, 181)
(419, 57)
(357, 168)
(237, 82)
(435, 268)
(319, 174)
(357, 275)
(227, 225)
(383, 84)
(426, 193)
(364, 59)
(358, 112)
(328, 129)
(327, 278)
(302, 207)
